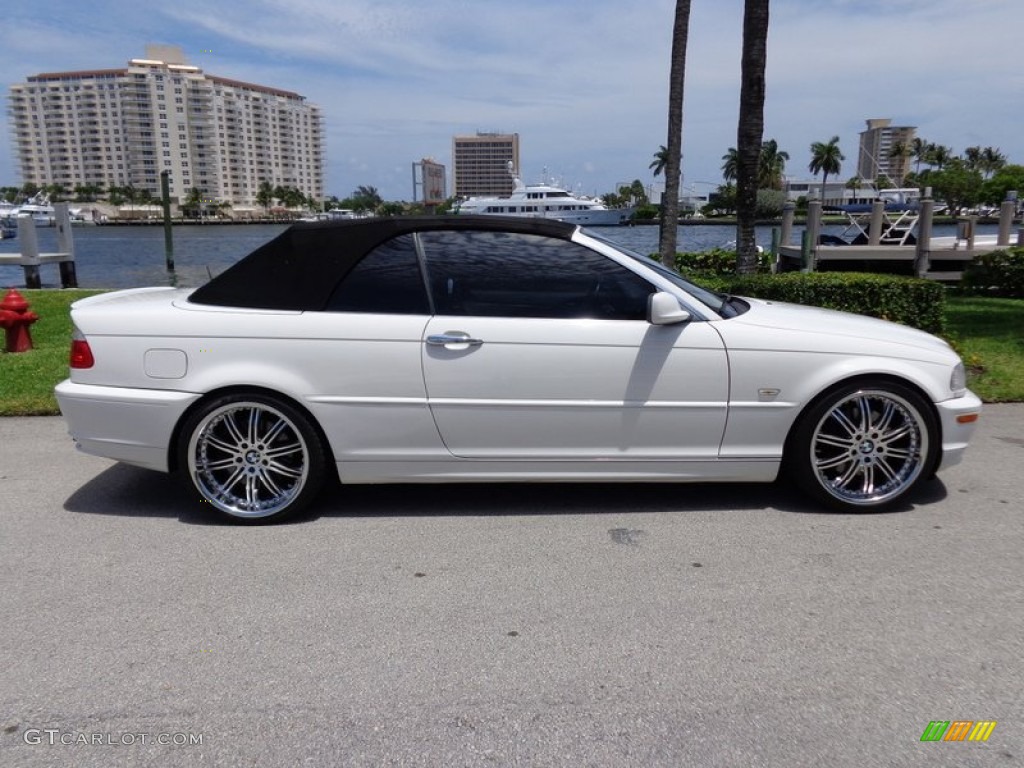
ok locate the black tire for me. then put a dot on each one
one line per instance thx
(864, 446)
(252, 458)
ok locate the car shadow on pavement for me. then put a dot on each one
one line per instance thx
(127, 491)
(124, 490)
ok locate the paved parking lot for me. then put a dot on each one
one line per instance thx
(537, 625)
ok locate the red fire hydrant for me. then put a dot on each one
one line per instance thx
(15, 320)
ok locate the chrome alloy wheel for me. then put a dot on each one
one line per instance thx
(248, 459)
(869, 447)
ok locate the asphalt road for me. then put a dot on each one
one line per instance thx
(537, 625)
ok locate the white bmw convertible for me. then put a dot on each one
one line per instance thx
(455, 349)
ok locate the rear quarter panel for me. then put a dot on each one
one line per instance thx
(359, 375)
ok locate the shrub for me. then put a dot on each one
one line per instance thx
(770, 203)
(718, 261)
(913, 302)
(646, 212)
(996, 273)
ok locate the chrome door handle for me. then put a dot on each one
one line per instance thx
(453, 337)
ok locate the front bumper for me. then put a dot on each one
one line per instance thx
(956, 435)
(129, 425)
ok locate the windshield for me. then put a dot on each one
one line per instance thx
(711, 299)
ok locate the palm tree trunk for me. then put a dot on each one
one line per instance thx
(673, 162)
(750, 131)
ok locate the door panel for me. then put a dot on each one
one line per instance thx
(576, 388)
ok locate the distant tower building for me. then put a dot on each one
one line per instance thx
(121, 127)
(876, 159)
(480, 163)
(428, 182)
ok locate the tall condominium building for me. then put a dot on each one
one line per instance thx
(480, 163)
(876, 159)
(125, 126)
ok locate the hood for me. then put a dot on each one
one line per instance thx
(828, 330)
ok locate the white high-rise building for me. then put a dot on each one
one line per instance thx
(125, 126)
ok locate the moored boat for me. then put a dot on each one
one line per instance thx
(39, 209)
(545, 200)
(334, 214)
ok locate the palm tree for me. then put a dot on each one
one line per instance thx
(657, 165)
(629, 194)
(750, 131)
(293, 197)
(55, 192)
(115, 194)
(730, 164)
(919, 151)
(772, 165)
(900, 151)
(265, 195)
(940, 155)
(674, 144)
(826, 158)
(131, 194)
(972, 158)
(365, 198)
(369, 195)
(992, 160)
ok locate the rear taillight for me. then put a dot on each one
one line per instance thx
(81, 355)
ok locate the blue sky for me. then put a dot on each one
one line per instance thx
(583, 82)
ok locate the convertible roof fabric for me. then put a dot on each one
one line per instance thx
(300, 268)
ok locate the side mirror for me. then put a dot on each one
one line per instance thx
(663, 309)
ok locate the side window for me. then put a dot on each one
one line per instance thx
(387, 280)
(501, 274)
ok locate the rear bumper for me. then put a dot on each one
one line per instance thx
(129, 425)
(956, 435)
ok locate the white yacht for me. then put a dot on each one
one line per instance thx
(40, 209)
(547, 201)
(334, 214)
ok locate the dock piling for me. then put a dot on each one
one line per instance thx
(65, 244)
(1006, 212)
(877, 218)
(812, 232)
(165, 201)
(29, 239)
(922, 254)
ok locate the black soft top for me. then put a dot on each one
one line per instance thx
(300, 268)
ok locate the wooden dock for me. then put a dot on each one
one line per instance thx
(904, 245)
(30, 259)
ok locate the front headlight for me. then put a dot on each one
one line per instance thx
(958, 380)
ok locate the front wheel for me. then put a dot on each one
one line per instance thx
(864, 445)
(252, 458)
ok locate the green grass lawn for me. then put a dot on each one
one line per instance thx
(988, 333)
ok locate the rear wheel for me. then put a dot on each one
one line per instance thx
(252, 457)
(864, 445)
